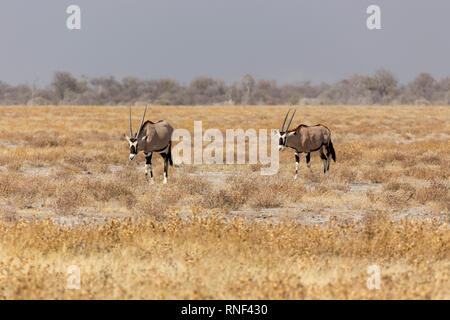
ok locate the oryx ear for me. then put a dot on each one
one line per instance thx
(126, 137)
(144, 138)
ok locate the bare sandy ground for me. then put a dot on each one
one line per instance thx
(294, 212)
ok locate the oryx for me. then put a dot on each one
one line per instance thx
(152, 137)
(307, 139)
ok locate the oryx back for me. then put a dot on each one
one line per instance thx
(310, 138)
(158, 135)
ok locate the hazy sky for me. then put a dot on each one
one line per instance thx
(284, 40)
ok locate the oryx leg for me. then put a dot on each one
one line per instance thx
(324, 159)
(297, 160)
(148, 166)
(166, 165)
(308, 159)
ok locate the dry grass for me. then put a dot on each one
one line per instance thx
(208, 257)
(71, 162)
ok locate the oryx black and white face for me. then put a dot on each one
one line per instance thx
(134, 146)
(281, 140)
(134, 142)
(282, 134)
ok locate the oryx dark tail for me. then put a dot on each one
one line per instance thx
(169, 154)
(331, 148)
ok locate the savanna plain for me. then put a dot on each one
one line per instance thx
(69, 196)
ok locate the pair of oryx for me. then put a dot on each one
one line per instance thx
(155, 137)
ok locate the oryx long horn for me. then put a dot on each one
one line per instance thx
(291, 120)
(282, 126)
(142, 122)
(131, 130)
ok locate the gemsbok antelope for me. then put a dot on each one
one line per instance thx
(152, 137)
(307, 139)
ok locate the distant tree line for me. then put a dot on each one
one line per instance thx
(381, 88)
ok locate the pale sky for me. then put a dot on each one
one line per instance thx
(283, 40)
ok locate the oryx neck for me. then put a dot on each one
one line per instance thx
(288, 142)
